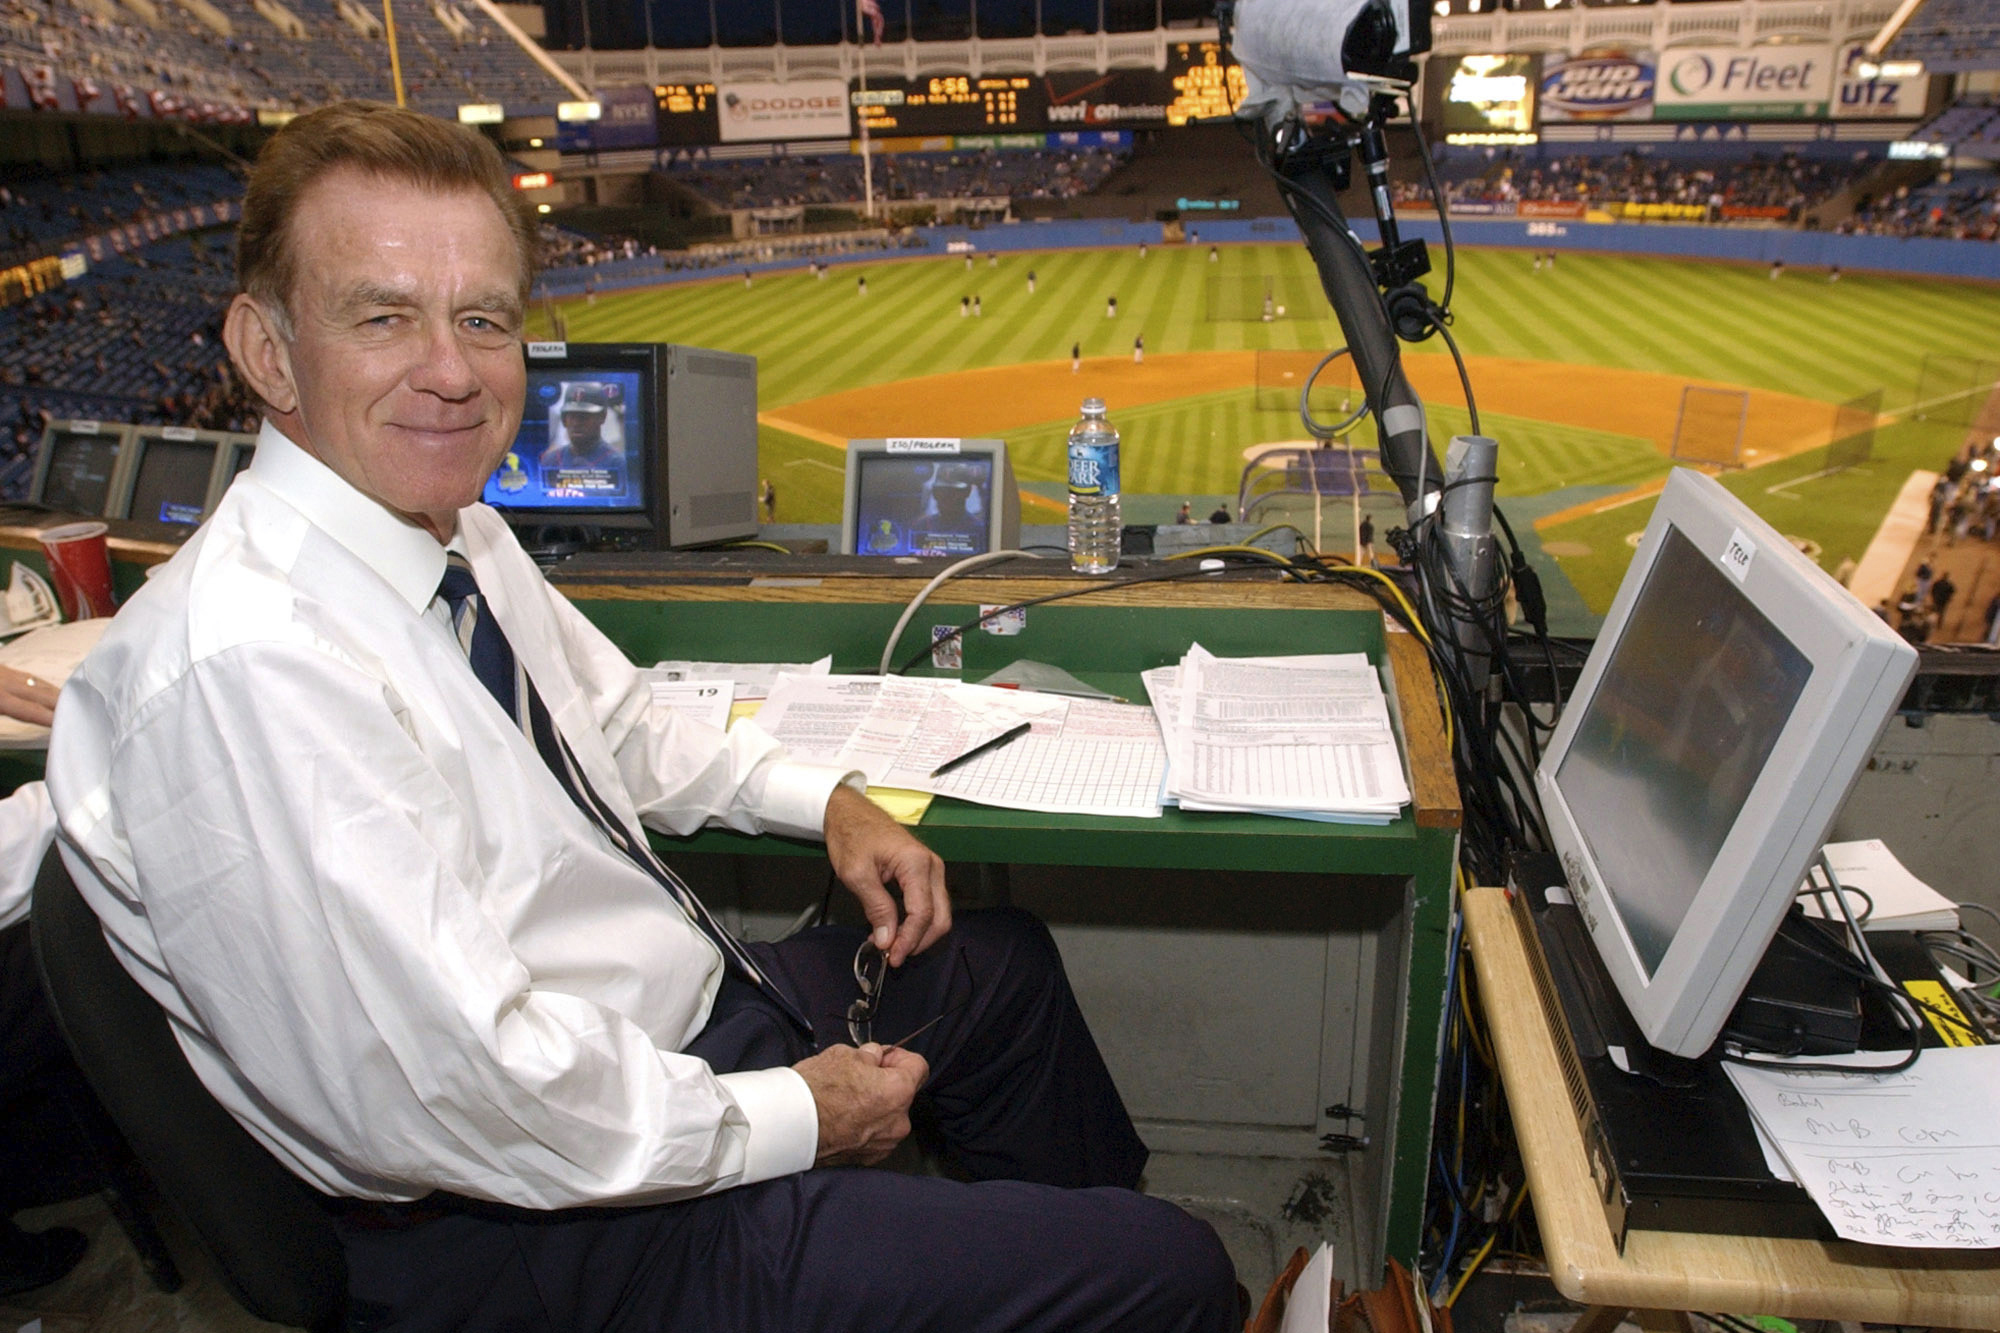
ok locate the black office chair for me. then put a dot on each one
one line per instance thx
(274, 1246)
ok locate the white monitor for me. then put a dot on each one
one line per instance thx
(76, 465)
(931, 496)
(1733, 695)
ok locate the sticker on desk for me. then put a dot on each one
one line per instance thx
(1943, 1014)
(947, 648)
(1003, 620)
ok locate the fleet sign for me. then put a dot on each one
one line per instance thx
(1732, 83)
(801, 109)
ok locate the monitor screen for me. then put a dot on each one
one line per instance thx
(1693, 697)
(79, 471)
(172, 481)
(582, 444)
(917, 504)
(1732, 697)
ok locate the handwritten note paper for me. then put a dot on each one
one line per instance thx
(1909, 1159)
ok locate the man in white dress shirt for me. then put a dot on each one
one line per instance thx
(379, 889)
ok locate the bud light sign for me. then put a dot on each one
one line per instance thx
(1599, 85)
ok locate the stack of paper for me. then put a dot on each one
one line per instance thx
(1079, 756)
(1305, 736)
(1907, 1159)
(1897, 900)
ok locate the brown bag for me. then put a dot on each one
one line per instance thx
(1391, 1308)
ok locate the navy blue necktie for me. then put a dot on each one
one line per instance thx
(492, 659)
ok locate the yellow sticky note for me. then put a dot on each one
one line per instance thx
(904, 806)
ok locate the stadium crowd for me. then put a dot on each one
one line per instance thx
(1964, 209)
(1787, 182)
(39, 213)
(1044, 174)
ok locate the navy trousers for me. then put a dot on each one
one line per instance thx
(1047, 1235)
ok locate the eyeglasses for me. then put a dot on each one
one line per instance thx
(871, 974)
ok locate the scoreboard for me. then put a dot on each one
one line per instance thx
(1199, 81)
(951, 104)
(687, 115)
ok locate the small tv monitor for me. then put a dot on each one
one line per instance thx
(1726, 708)
(641, 444)
(929, 497)
(166, 476)
(75, 464)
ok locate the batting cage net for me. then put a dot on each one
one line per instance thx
(1953, 388)
(1281, 374)
(1853, 439)
(1709, 428)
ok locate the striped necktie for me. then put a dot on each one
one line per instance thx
(492, 659)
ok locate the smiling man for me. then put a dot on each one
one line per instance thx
(359, 798)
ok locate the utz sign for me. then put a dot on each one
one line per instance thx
(1599, 85)
(1879, 98)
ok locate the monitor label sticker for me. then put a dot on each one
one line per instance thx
(546, 349)
(1736, 556)
(177, 433)
(922, 446)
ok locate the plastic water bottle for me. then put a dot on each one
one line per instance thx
(1094, 528)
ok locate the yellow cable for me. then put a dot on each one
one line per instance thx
(1479, 1256)
(1236, 548)
(757, 546)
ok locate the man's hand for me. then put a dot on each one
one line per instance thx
(863, 1094)
(27, 698)
(869, 850)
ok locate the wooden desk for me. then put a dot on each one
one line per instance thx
(1674, 1271)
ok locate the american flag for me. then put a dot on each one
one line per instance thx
(872, 11)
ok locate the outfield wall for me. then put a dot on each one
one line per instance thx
(1809, 250)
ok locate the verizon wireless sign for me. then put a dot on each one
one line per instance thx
(1733, 83)
(802, 109)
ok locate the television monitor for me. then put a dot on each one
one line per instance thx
(75, 464)
(165, 476)
(1726, 708)
(936, 497)
(637, 444)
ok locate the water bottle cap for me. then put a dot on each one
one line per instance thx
(1093, 404)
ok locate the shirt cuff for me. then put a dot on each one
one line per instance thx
(795, 796)
(783, 1119)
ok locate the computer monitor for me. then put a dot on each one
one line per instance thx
(639, 444)
(1730, 701)
(74, 466)
(929, 496)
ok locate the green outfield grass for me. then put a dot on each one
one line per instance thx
(1731, 323)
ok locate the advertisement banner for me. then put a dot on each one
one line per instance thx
(1482, 208)
(1878, 98)
(1484, 98)
(1551, 208)
(1755, 212)
(802, 109)
(626, 118)
(1604, 83)
(1731, 83)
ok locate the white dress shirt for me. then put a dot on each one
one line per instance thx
(27, 827)
(387, 941)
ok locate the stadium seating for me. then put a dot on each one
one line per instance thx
(1950, 34)
(1961, 207)
(1054, 174)
(1696, 179)
(136, 339)
(39, 213)
(1972, 122)
(445, 63)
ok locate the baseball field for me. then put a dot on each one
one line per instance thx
(1578, 370)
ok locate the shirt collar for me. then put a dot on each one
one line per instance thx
(407, 558)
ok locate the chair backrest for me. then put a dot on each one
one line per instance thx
(276, 1249)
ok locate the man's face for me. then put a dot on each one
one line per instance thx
(406, 355)
(583, 429)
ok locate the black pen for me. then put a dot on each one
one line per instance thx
(1012, 733)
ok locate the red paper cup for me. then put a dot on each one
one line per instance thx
(80, 567)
